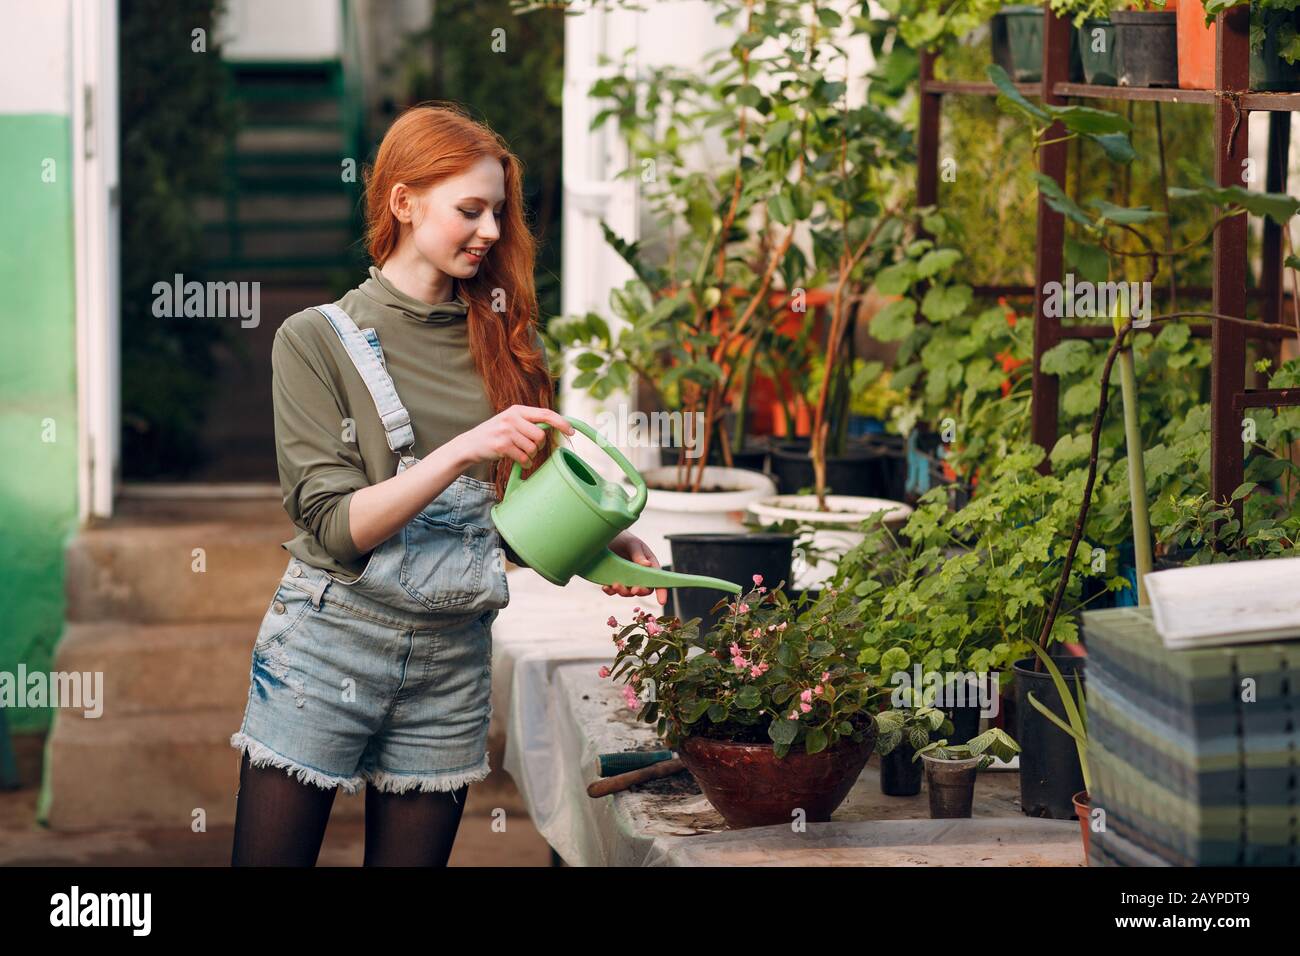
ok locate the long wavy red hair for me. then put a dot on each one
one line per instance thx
(425, 145)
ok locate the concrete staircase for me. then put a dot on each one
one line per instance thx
(174, 645)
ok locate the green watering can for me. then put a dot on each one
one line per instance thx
(562, 519)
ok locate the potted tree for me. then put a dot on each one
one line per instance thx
(769, 710)
(695, 307)
(950, 770)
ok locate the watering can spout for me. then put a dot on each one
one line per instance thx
(609, 568)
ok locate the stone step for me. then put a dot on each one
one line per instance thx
(147, 770)
(162, 668)
(156, 770)
(144, 571)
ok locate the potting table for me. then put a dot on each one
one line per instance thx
(558, 715)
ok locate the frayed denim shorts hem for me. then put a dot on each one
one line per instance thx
(346, 692)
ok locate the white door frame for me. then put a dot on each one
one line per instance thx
(96, 202)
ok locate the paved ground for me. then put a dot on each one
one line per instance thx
(25, 843)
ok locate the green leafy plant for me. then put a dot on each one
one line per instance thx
(770, 671)
(1080, 10)
(1288, 40)
(1075, 711)
(912, 726)
(1203, 531)
(939, 23)
(994, 742)
(968, 590)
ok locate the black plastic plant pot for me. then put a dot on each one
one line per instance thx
(1268, 71)
(1096, 48)
(900, 775)
(753, 457)
(1147, 43)
(952, 786)
(732, 557)
(871, 467)
(1050, 774)
(965, 723)
(1018, 42)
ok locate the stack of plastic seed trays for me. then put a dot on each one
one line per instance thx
(1194, 754)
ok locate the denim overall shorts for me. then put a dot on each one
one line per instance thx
(385, 680)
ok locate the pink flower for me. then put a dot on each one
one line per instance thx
(826, 675)
(620, 643)
(762, 590)
(612, 622)
(794, 715)
(818, 690)
(604, 671)
(805, 707)
(744, 609)
(735, 649)
(652, 628)
(630, 698)
(756, 671)
(757, 632)
(758, 579)
(781, 626)
(806, 696)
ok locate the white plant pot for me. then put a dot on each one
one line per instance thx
(835, 531)
(705, 512)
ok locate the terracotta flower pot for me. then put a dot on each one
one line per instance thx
(1195, 48)
(750, 787)
(1083, 807)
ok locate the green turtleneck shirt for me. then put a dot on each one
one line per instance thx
(329, 440)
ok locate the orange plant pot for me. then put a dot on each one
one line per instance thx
(1195, 48)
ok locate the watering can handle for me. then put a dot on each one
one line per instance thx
(633, 475)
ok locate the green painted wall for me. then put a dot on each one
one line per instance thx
(38, 391)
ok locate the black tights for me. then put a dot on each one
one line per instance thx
(280, 821)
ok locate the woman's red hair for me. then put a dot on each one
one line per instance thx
(425, 145)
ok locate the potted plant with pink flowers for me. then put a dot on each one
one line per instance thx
(769, 710)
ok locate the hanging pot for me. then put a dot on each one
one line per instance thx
(1018, 42)
(1096, 48)
(1050, 774)
(1148, 47)
(952, 786)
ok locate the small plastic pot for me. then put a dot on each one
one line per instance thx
(1096, 48)
(1148, 47)
(1018, 42)
(952, 786)
(900, 775)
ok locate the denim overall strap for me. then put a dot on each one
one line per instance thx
(364, 352)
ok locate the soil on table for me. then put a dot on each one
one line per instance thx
(678, 785)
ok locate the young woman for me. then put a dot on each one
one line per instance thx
(399, 411)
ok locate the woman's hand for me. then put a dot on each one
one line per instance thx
(511, 434)
(629, 546)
